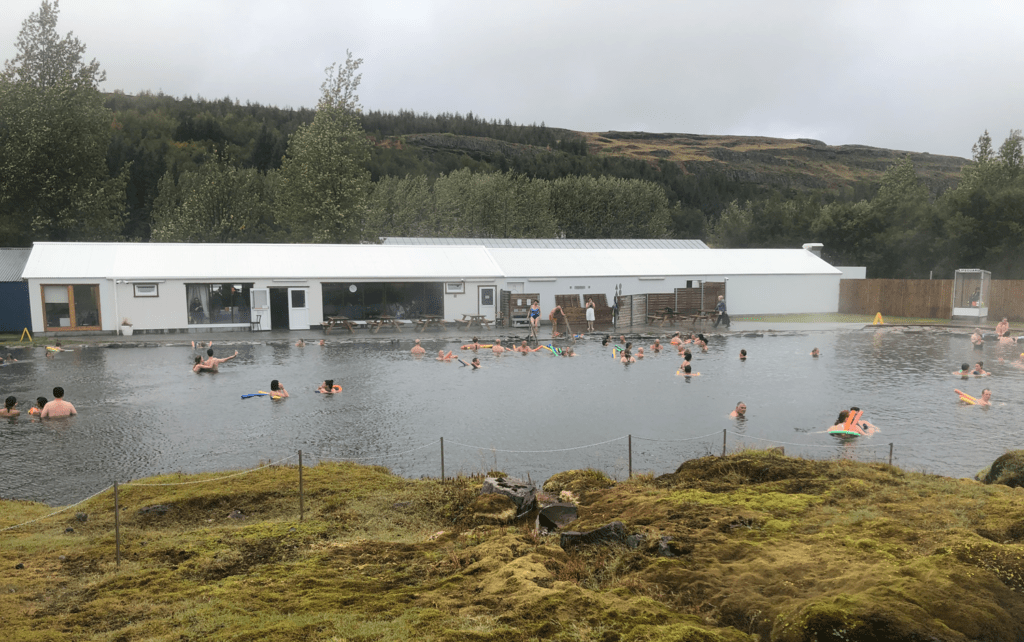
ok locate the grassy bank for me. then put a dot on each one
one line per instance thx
(761, 545)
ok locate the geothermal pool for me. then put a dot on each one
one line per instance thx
(143, 412)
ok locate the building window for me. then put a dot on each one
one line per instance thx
(218, 303)
(67, 307)
(367, 300)
(146, 289)
(455, 288)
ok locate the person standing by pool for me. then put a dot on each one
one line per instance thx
(58, 407)
(590, 314)
(277, 390)
(553, 316)
(722, 315)
(977, 340)
(535, 319)
(417, 349)
(9, 409)
(740, 411)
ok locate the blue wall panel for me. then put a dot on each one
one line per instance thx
(14, 307)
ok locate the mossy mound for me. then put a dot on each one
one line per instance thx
(578, 481)
(492, 509)
(735, 549)
(1007, 470)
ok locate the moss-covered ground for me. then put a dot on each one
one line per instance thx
(761, 547)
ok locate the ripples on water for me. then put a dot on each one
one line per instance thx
(143, 412)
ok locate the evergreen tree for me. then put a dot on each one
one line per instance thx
(54, 132)
(324, 181)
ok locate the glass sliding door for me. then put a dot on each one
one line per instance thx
(71, 307)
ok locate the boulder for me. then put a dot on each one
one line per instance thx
(158, 509)
(1008, 470)
(523, 493)
(614, 533)
(82, 517)
(556, 516)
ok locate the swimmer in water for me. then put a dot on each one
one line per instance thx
(979, 370)
(964, 371)
(9, 409)
(472, 346)
(38, 408)
(10, 358)
(640, 352)
(323, 343)
(277, 390)
(475, 363)
(984, 400)
(526, 349)
(213, 363)
(1003, 328)
(688, 371)
(815, 353)
(656, 346)
(977, 340)
(300, 344)
(743, 355)
(627, 357)
(58, 407)
(327, 387)
(862, 427)
(740, 411)
(568, 352)
(606, 340)
(200, 366)
(441, 356)
(417, 349)
(497, 348)
(676, 339)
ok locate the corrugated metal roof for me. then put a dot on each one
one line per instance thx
(530, 263)
(573, 244)
(232, 261)
(12, 263)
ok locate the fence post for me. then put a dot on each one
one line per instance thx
(117, 527)
(631, 456)
(890, 453)
(724, 430)
(302, 497)
(442, 458)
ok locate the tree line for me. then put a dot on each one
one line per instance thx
(78, 165)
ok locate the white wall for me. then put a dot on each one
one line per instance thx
(782, 294)
(852, 272)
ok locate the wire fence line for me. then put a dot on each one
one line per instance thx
(441, 444)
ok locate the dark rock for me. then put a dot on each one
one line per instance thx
(614, 533)
(668, 547)
(69, 530)
(19, 566)
(82, 517)
(158, 509)
(635, 540)
(1008, 470)
(237, 514)
(523, 493)
(556, 516)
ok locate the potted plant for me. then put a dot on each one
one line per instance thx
(126, 327)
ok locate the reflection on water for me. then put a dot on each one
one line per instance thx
(143, 412)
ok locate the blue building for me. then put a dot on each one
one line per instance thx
(14, 306)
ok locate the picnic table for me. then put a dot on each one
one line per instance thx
(334, 322)
(704, 315)
(384, 320)
(475, 319)
(427, 320)
(665, 316)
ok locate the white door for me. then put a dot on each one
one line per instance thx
(259, 306)
(298, 310)
(485, 298)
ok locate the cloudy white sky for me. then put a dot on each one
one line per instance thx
(919, 76)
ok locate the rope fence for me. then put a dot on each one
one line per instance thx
(659, 456)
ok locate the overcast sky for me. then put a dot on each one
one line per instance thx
(925, 76)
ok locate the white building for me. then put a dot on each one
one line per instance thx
(183, 287)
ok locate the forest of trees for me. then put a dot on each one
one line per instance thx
(76, 164)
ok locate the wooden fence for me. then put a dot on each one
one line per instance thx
(924, 299)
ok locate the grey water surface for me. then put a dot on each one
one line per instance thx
(143, 412)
